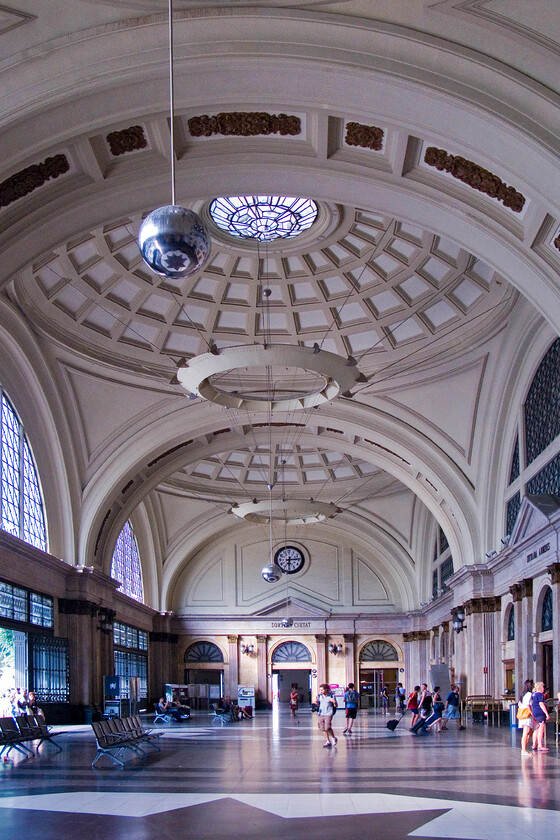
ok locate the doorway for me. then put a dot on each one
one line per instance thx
(13, 666)
(284, 679)
(548, 668)
(372, 681)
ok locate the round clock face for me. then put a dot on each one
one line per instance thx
(290, 559)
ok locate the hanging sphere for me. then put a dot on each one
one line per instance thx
(271, 573)
(174, 241)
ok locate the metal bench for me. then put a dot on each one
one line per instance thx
(12, 738)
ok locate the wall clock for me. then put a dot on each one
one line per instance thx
(290, 559)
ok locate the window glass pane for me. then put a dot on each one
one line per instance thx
(9, 458)
(125, 565)
(142, 640)
(20, 604)
(542, 406)
(41, 610)
(21, 511)
(6, 600)
(33, 518)
(131, 665)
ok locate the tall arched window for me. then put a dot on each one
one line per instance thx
(21, 503)
(125, 565)
(546, 615)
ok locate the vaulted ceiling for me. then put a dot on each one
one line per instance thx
(427, 133)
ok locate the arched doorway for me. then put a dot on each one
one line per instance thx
(379, 666)
(204, 673)
(291, 664)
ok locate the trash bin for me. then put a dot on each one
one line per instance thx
(513, 714)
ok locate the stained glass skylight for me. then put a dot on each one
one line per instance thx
(263, 217)
(125, 565)
(21, 504)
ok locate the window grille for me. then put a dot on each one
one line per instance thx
(378, 651)
(21, 504)
(19, 604)
(131, 665)
(204, 652)
(512, 510)
(49, 672)
(129, 637)
(514, 471)
(511, 625)
(125, 564)
(546, 617)
(542, 406)
(446, 569)
(291, 652)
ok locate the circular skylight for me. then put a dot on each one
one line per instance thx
(263, 217)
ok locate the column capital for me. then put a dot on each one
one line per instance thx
(522, 589)
(232, 639)
(349, 638)
(482, 605)
(444, 626)
(554, 572)
(261, 640)
(435, 630)
(417, 636)
(321, 638)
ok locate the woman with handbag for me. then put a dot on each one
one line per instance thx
(525, 720)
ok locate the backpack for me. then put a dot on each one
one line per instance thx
(352, 696)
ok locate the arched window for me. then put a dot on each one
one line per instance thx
(291, 652)
(125, 565)
(511, 625)
(546, 616)
(542, 406)
(204, 652)
(21, 503)
(378, 651)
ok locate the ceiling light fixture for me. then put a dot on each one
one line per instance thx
(289, 511)
(206, 376)
(174, 241)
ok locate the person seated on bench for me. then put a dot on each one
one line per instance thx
(167, 708)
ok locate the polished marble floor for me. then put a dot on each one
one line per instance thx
(271, 778)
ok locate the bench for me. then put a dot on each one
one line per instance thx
(115, 737)
(12, 738)
(21, 732)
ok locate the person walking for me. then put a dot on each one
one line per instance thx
(400, 698)
(385, 700)
(351, 699)
(325, 711)
(294, 702)
(412, 705)
(451, 711)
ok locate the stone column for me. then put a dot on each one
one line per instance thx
(554, 572)
(520, 665)
(416, 657)
(321, 659)
(350, 659)
(444, 642)
(482, 634)
(233, 667)
(262, 689)
(435, 642)
(164, 666)
(522, 593)
(90, 649)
